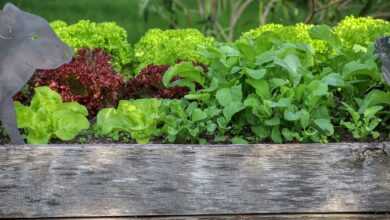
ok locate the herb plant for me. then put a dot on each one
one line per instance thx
(186, 122)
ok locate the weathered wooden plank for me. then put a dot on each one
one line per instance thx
(141, 180)
(253, 217)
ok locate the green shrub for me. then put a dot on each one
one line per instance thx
(169, 46)
(48, 117)
(107, 35)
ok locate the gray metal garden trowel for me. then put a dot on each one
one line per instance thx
(382, 49)
(27, 43)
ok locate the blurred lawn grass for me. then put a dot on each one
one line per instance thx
(123, 12)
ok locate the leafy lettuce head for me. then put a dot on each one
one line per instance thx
(298, 33)
(169, 46)
(361, 31)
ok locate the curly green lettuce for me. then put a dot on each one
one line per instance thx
(299, 33)
(169, 46)
(361, 31)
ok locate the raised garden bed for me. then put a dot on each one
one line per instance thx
(292, 181)
(276, 84)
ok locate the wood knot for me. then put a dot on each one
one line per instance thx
(378, 150)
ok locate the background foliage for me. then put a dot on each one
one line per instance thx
(225, 19)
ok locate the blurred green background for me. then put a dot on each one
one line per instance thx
(124, 12)
(225, 19)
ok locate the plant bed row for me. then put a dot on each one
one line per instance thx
(275, 84)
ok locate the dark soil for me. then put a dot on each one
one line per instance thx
(88, 137)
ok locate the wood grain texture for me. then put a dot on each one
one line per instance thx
(142, 180)
(253, 217)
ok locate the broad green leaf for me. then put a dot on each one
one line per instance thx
(108, 120)
(225, 96)
(69, 124)
(266, 41)
(291, 63)
(334, 79)
(264, 58)
(261, 87)
(247, 50)
(304, 119)
(211, 127)
(239, 140)
(184, 83)
(212, 111)
(198, 115)
(229, 51)
(276, 136)
(325, 33)
(273, 121)
(375, 97)
(277, 82)
(75, 108)
(186, 71)
(325, 125)
(222, 122)
(290, 135)
(317, 88)
(231, 109)
(255, 73)
(252, 101)
(198, 96)
(282, 103)
(372, 111)
(292, 116)
(355, 68)
(261, 132)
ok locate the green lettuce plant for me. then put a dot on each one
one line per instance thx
(361, 31)
(48, 117)
(298, 33)
(137, 117)
(169, 46)
(107, 35)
